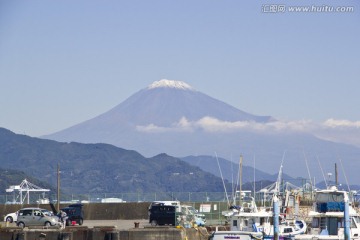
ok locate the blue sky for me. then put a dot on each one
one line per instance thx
(63, 62)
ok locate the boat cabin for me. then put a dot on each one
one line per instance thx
(328, 214)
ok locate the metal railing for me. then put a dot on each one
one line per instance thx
(135, 197)
(118, 197)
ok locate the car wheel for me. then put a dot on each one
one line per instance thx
(154, 223)
(9, 219)
(21, 224)
(47, 224)
(81, 221)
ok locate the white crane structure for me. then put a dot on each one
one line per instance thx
(27, 187)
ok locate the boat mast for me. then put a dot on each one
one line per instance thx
(278, 181)
(240, 179)
(227, 198)
(347, 182)
(58, 188)
(326, 183)
(254, 178)
(336, 176)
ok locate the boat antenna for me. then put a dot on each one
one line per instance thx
(342, 167)
(227, 198)
(307, 167)
(326, 184)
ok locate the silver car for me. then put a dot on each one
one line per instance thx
(36, 217)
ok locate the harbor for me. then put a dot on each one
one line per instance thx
(281, 212)
(127, 221)
(134, 225)
(179, 120)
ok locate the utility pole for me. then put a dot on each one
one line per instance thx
(58, 188)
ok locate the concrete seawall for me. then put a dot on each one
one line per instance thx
(100, 211)
(104, 233)
(94, 211)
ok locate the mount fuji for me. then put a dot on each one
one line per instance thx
(165, 106)
(172, 117)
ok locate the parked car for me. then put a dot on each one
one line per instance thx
(176, 204)
(162, 214)
(75, 213)
(36, 217)
(11, 217)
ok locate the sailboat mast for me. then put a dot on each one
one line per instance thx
(336, 176)
(254, 178)
(240, 179)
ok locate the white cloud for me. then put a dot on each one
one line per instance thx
(214, 125)
(343, 131)
(210, 124)
(183, 125)
(333, 123)
(151, 128)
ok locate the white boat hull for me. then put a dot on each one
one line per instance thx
(226, 235)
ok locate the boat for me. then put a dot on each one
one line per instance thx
(243, 235)
(328, 216)
(247, 219)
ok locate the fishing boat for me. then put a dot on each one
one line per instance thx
(328, 218)
(225, 235)
(247, 221)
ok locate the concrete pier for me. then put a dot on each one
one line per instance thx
(104, 233)
(110, 217)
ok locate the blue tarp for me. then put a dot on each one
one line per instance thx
(330, 207)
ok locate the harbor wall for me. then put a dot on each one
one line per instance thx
(128, 210)
(116, 211)
(105, 233)
(94, 211)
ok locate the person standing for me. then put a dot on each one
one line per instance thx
(63, 218)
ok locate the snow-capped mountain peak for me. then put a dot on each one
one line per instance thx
(165, 83)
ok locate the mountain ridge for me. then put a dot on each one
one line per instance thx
(182, 122)
(101, 167)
